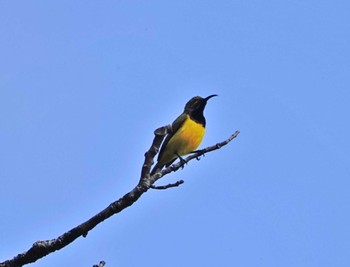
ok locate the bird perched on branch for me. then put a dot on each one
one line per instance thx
(187, 133)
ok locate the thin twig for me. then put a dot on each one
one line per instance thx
(196, 155)
(101, 264)
(162, 187)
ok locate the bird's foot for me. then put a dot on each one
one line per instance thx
(182, 161)
(200, 153)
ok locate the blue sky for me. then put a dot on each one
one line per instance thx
(84, 84)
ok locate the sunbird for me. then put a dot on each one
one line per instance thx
(187, 133)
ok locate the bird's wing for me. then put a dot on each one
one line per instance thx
(175, 127)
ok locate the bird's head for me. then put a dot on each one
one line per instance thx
(196, 104)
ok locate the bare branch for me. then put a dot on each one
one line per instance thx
(101, 264)
(195, 155)
(162, 187)
(42, 248)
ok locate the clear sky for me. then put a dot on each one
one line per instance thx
(83, 85)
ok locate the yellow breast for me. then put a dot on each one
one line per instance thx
(184, 141)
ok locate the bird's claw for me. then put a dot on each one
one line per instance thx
(182, 161)
(201, 152)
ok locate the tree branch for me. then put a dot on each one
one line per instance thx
(42, 248)
(162, 187)
(101, 264)
(196, 155)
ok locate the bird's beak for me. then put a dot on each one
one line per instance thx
(207, 98)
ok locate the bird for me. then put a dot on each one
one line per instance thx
(187, 133)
